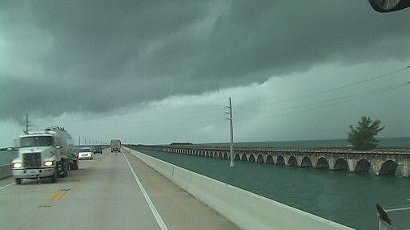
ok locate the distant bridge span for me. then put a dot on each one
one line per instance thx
(378, 162)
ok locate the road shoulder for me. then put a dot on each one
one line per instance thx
(179, 209)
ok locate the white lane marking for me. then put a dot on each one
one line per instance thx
(150, 204)
(7, 185)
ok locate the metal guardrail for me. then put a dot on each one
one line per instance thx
(5, 171)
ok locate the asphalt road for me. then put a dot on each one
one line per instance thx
(104, 194)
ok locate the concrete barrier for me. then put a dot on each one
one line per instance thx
(5, 171)
(245, 209)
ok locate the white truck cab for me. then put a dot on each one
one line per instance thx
(45, 154)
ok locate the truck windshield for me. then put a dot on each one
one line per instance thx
(36, 141)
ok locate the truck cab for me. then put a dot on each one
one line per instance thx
(46, 154)
(115, 146)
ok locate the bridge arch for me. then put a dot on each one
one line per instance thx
(306, 162)
(244, 157)
(341, 164)
(292, 161)
(363, 165)
(226, 156)
(280, 160)
(237, 157)
(388, 168)
(260, 159)
(322, 163)
(251, 158)
(269, 160)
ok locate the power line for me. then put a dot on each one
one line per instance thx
(183, 119)
(369, 79)
(339, 100)
(188, 118)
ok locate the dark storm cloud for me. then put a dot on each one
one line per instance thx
(101, 55)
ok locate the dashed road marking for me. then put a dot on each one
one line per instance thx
(57, 195)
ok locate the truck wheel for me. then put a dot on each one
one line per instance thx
(54, 178)
(64, 173)
(75, 165)
(65, 170)
(18, 180)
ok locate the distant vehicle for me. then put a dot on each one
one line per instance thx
(85, 153)
(97, 149)
(44, 154)
(115, 146)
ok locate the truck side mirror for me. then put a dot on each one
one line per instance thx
(383, 6)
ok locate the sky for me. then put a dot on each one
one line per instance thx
(157, 72)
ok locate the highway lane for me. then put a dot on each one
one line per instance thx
(103, 194)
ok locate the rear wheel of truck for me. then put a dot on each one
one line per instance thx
(65, 170)
(75, 165)
(18, 180)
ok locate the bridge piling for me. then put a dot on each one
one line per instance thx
(352, 164)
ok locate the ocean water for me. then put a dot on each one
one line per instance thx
(340, 196)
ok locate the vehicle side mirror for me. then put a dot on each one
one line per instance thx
(383, 6)
(58, 147)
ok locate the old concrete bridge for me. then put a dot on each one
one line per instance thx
(378, 162)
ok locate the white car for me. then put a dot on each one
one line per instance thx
(85, 153)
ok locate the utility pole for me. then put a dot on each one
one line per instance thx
(79, 140)
(231, 131)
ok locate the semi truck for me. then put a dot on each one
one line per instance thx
(44, 154)
(115, 146)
